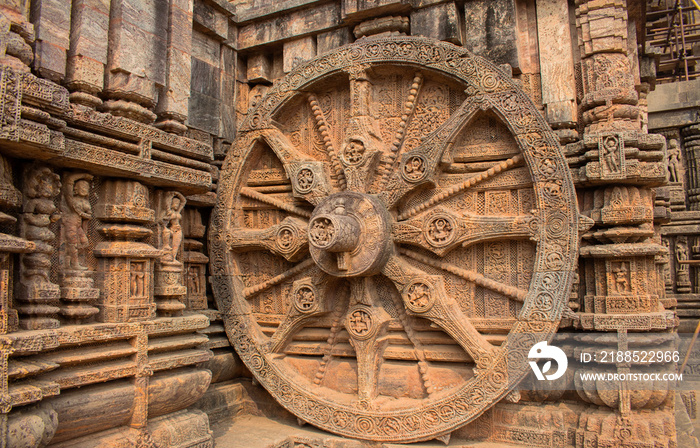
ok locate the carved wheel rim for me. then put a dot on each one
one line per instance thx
(424, 228)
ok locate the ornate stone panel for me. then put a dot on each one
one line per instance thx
(396, 226)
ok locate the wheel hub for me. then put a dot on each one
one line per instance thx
(349, 235)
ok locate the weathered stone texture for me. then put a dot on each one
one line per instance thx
(441, 22)
(204, 103)
(297, 52)
(297, 23)
(491, 30)
(52, 22)
(329, 40)
(137, 75)
(556, 62)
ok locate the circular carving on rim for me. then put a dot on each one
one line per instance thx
(305, 180)
(414, 169)
(391, 426)
(551, 281)
(305, 299)
(419, 296)
(447, 412)
(365, 425)
(454, 71)
(340, 419)
(544, 301)
(489, 81)
(556, 225)
(440, 230)
(360, 323)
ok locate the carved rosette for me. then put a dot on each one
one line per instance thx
(416, 244)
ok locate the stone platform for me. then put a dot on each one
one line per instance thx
(248, 431)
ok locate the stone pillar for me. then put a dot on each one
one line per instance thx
(87, 55)
(136, 58)
(10, 199)
(620, 286)
(125, 264)
(195, 260)
(16, 37)
(682, 234)
(173, 102)
(557, 68)
(691, 145)
(51, 20)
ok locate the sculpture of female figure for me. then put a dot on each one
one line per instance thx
(171, 226)
(674, 162)
(77, 212)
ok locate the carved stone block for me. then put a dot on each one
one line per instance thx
(126, 281)
(491, 31)
(259, 68)
(556, 62)
(297, 52)
(441, 22)
(124, 201)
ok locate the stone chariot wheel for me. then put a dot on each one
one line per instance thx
(396, 226)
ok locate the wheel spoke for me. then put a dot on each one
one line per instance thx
(287, 239)
(338, 175)
(338, 318)
(499, 167)
(362, 147)
(309, 297)
(511, 292)
(276, 280)
(271, 200)
(418, 348)
(416, 168)
(367, 324)
(441, 230)
(424, 296)
(308, 175)
(386, 166)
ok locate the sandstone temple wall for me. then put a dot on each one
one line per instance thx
(116, 117)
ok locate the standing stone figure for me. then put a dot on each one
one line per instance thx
(674, 162)
(39, 211)
(610, 155)
(77, 293)
(682, 271)
(38, 294)
(171, 227)
(77, 212)
(681, 254)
